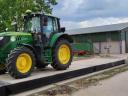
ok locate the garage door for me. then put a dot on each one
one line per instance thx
(96, 47)
(114, 47)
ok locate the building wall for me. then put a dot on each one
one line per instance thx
(97, 47)
(123, 46)
(103, 47)
(97, 37)
(113, 47)
(102, 41)
(124, 38)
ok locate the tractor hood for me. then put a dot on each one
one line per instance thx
(13, 34)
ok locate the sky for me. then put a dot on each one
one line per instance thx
(88, 13)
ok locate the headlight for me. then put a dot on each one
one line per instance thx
(13, 38)
(1, 38)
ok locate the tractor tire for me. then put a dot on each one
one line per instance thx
(20, 62)
(62, 55)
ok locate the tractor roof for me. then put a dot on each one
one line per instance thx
(38, 14)
(51, 15)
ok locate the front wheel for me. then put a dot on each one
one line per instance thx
(62, 55)
(20, 62)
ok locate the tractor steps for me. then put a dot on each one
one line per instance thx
(39, 78)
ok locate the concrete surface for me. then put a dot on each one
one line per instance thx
(115, 86)
(75, 66)
(65, 82)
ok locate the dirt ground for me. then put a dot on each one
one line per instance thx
(108, 83)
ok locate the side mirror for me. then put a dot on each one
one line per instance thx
(62, 29)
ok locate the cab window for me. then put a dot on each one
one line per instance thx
(55, 25)
(48, 28)
(32, 24)
(49, 25)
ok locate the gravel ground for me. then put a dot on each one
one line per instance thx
(108, 83)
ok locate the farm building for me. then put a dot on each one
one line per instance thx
(112, 38)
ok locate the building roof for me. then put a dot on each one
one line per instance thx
(97, 29)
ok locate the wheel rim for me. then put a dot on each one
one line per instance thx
(24, 63)
(64, 54)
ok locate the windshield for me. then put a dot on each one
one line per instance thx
(32, 25)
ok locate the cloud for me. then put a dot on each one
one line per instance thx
(70, 24)
(74, 5)
(88, 13)
(78, 10)
(68, 7)
(102, 21)
(93, 22)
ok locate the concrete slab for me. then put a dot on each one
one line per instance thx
(76, 65)
(48, 76)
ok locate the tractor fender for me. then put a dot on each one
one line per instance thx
(58, 36)
(30, 47)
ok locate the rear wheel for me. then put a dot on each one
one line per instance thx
(20, 62)
(62, 55)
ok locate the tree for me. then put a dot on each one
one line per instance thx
(15, 9)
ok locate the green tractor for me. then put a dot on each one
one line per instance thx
(41, 43)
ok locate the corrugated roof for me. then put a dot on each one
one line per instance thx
(105, 28)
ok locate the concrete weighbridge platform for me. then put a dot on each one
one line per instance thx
(40, 78)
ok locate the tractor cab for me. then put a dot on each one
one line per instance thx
(40, 23)
(42, 26)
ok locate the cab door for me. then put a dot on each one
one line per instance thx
(50, 26)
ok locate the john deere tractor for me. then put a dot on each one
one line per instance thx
(41, 43)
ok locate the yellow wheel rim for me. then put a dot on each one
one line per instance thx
(64, 54)
(24, 63)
